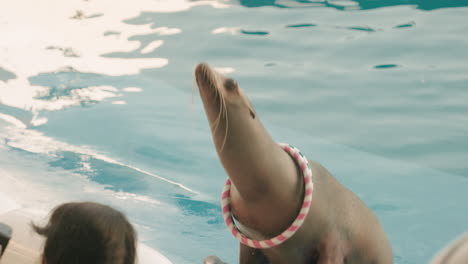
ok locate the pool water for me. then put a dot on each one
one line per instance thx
(98, 104)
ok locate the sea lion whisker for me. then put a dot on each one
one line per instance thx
(217, 122)
(227, 124)
(218, 97)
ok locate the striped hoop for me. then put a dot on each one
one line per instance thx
(309, 186)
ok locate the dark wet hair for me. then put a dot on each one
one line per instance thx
(87, 233)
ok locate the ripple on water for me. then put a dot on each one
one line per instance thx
(301, 25)
(66, 51)
(406, 25)
(386, 66)
(254, 32)
(111, 33)
(209, 211)
(80, 15)
(365, 29)
(355, 4)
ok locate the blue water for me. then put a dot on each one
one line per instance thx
(377, 91)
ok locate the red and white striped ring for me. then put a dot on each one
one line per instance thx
(291, 230)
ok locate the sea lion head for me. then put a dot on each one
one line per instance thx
(227, 107)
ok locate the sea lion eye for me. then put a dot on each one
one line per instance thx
(230, 84)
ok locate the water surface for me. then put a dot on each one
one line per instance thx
(97, 104)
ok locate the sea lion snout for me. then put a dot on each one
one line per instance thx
(209, 80)
(205, 77)
(200, 73)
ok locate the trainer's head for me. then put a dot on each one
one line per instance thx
(87, 232)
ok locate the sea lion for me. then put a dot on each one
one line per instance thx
(267, 189)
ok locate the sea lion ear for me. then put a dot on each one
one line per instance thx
(252, 113)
